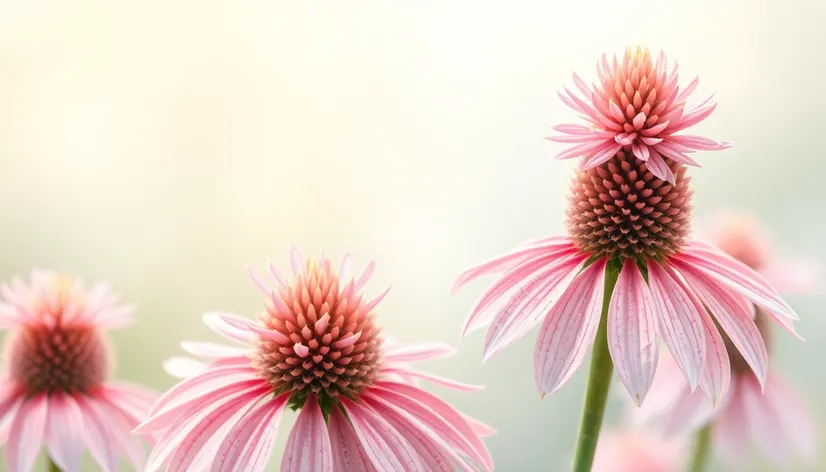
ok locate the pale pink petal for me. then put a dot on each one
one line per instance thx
(212, 378)
(656, 164)
(388, 450)
(119, 426)
(797, 420)
(632, 332)
(308, 446)
(221, 324)
(731, 429)
(212, 350)
(734, 321)
(372, 303)
(480, 429)
(679, 322)
(716, 376)
(248, 445)
(766, 426)
(569, 329)
(348, 453)
(165, 417)
(135, 401)
(526, 307)
(736, 276)
(26, 434)
(199, 416)
(296, 260)
(438, 415)
(200, 446)
(365, 277)
(183, 367)
(443, 381)
(418, 352)
(64, 429)
(432, 451)
(507, 261)
(513, 280)
(691, 411)
(96, 435)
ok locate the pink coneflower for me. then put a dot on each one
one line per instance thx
(317, 349)
(640, 450)
(624, 219)
(55, 390)
(773, 415)
(637, 107)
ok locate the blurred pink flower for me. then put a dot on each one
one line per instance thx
(774, 416)
(317, 348)
(638, 451)
(55, 388)
(638, 107)
(620, 216)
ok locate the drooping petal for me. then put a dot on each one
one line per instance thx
(766, 427)
(736, 276)
(212, 350)
(383, 445)
(64, 430)
(731, 429)
(248, 445)
(308, 447)
(569, 329)
(798, 427)
(512, 281)
(439, 416)
(179, 437)
(507, 261)
(348, 453)
(679, 322)
(733, 319)
(101, 445)
(211, 378)
(526, 307)
(691, 410)
(183, 367)
(716, 376)
(118, 426)
(443, 381)
(481, 429)
(632, 332)
(26, 434)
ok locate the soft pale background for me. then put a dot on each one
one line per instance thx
(163, 145)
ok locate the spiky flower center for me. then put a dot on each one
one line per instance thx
(48, 359)
(620, 209)
(320, 338)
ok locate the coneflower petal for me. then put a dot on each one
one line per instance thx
(221, 323)
(690, 411)
(64, 426)
(183, 367)
(308, 446)
(443, 381)
(386, 448)
(716, 376)
(526, 307)
(418, 352)
(98, 440)
(632, 332)
(731, 429)
(569, 329)
(26, 434)
(212, 350)
(118, 428)
(348, 453)
(765, 425)
(798, 427)
(212, 378)
(735, 322)
(679, 322)
(248, 445)
(441, 417)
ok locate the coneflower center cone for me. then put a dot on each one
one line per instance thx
(319, 337)
(47, 359)
(619, 209)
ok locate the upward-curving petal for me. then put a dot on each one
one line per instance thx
(569, 329)
(632, 331)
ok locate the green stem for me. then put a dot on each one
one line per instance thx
(52, 467)
(702, 449)
(599, 382)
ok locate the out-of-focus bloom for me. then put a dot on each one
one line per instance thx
(773, 416)
(637, 107)
(317, 349)
(621, 218)
(638, 450)
(55, 388)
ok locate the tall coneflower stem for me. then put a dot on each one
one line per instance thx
(702, 449)
(599, 382)
(51, 466)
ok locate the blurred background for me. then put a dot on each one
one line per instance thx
(163, 145)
